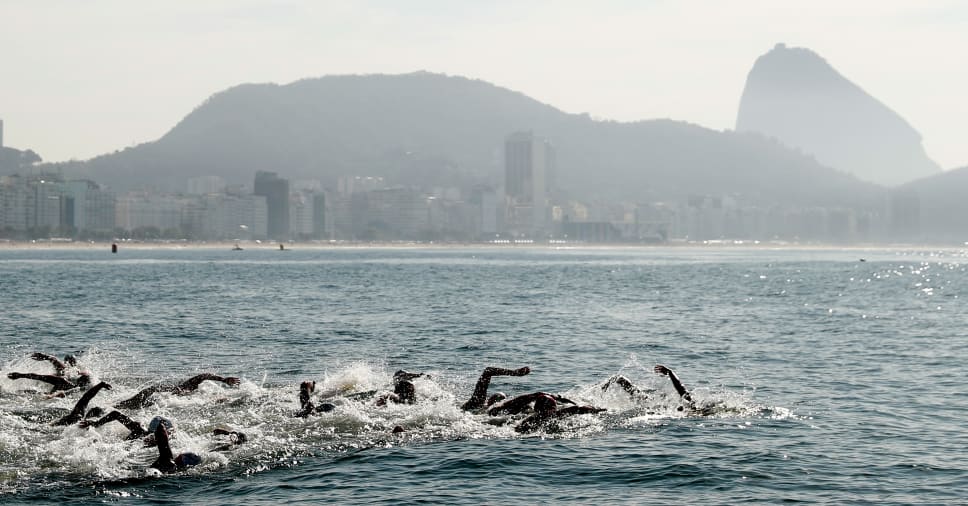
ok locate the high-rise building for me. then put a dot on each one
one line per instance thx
(1, 133)
(301, 214)
(528, 167)
(91, 206)
(484, 203)
(276, 192)
(320, 227)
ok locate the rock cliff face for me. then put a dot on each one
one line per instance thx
(794, 95)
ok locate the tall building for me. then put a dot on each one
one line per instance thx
(320, 226)
(1, 133)
(528, 167)
(301, 214)
(91, 206)
(276, 192)
(484, 204)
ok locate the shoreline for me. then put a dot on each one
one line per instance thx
(9, 245)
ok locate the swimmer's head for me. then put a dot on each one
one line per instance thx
(402, 375)
(188, 459)
(94, 412)
(498, 397)
(160, 420)
(545, 404)
(406, 391)
(84, 379)
(325, 407)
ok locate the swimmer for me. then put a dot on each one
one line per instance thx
(143, 398)
(479, 398)
(135, 430)
(546, 412)
(80, 409)
(235, 438)
(166, 461)
(57, 381)
(404, 392)
(522, 403)
(633, 390)
(59, 367)
(704, 409)
(306, 388)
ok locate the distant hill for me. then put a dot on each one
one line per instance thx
(15, 161)
(943, 206)
(796, 96)
(424, 127)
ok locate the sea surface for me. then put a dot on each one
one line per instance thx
(824, 375)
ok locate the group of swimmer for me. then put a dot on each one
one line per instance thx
(159, 429)
(542, 409)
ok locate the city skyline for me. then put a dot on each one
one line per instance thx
(128, 77)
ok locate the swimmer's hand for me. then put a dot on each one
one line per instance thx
(663, 370)
(232, 381)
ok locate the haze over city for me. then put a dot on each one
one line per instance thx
(84, 79)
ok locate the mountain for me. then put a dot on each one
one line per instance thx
(14, 161)
(424, 127)
(794, 95)
(942, 206)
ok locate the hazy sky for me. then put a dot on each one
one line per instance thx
(82, 78)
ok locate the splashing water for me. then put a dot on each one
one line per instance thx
(34, 454)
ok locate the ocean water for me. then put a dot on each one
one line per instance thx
(827, 379)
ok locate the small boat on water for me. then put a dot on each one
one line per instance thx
(236, 248)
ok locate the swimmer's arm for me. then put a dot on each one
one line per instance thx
(192, 383)
(680, 388)
(564, 400)
(59, 366)
(77, 414)
(58, 382)
(166, 460)
(305, 390)
(479, 396)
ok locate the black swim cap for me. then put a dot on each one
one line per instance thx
(545, 403)
(188, 459)
(84, 379)
(500, 396)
